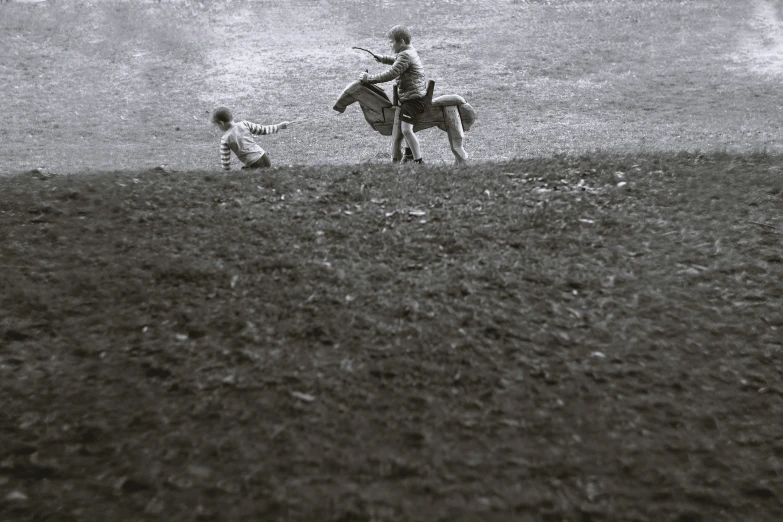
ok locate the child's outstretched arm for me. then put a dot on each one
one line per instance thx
(225, 154)
(399, 66)
(260, 130)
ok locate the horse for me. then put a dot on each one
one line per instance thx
(450, 113)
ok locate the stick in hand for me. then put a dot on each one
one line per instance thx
(377, 58)
(297, 121)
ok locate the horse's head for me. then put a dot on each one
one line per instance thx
(347, 98)
(370, 97)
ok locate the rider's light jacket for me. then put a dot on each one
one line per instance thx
(406, 67)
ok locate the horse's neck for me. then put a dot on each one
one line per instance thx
(371, 100)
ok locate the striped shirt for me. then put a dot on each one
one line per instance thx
(239, 139)
(406, 67)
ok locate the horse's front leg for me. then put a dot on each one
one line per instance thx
(397, 137)
(455, 133)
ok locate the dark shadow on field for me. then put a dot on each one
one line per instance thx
(569, 338)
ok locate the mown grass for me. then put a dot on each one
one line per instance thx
(96, 86)
(525, 340)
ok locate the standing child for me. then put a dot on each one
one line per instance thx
(238, 137)
(406, 67)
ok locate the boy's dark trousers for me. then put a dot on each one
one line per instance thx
(261, 163)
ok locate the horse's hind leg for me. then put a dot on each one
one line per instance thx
(455, 133)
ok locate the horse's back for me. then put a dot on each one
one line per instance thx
(448, 99)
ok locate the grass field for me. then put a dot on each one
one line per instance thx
(584, 324)
(101, 86)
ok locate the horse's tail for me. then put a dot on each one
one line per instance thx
(467, 114)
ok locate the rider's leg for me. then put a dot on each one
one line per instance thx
(410, 137)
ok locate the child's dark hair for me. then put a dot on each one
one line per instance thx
(222, 115)
(400, 33)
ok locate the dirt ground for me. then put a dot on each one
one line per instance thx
(567, 339)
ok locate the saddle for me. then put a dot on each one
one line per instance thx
(429, 102)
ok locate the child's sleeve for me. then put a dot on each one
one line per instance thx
(399, 66)
(225, 154)
(387, 59)
(260, 130)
